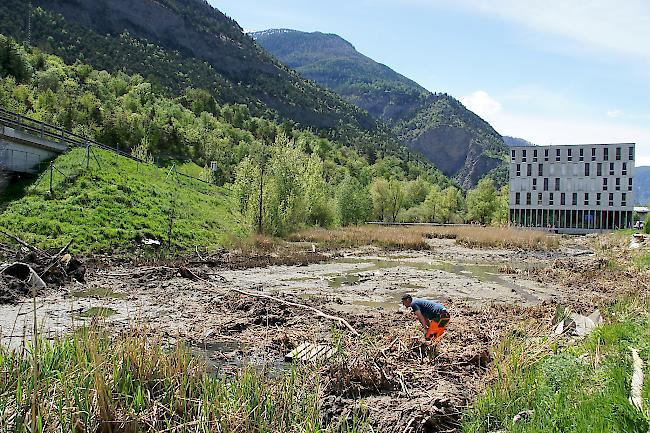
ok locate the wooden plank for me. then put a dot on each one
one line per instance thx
(310, 352)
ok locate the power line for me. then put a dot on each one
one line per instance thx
(29, 25)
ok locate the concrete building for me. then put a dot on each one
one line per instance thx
(572, 189)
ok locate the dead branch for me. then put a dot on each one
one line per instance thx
(55, 258)
(25, 244)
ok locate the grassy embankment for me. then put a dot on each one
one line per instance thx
(89, 382)
(414, 237)
(112, 205)
(572, 388)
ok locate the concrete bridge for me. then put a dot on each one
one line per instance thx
(26, 144)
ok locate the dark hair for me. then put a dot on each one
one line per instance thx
(406, 296)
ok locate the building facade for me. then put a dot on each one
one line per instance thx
(572, 189)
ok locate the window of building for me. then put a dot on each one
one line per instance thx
(550, 199)
(586, 199)
(574, 199)
(534, 184)
(618, 153)
(557, 154)
(517, 197)
(562, 199)
(593, 153)
(587, 169)
(539, 198)
(581, 156)
(629, 184)
(545, 154)
(557, 183)
(546, 184)
(540, 170)
(518, 170)
(624, 170)
(513, 153)
(618, 184)
(529, 169)
(528, 198)
(604, 184)
(624, 199)
(611, 169)
(605, 154)
(611, 199)
(534, 155)
(523, 155)
(569, 154)
(599, 169)
(630, 154)
(598, 199)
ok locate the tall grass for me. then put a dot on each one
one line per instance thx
(414, 237)
(580, 388)
(89, 382)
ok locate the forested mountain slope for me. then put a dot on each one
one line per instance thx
(456, 140)
(179, 44)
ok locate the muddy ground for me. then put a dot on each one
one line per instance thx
(403, 385)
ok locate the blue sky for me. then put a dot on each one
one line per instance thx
(552, 72)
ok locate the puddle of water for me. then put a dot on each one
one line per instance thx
(411, 286)
(98, 292)
(98, 312)
(226, 355)
(344, 280)
(302, 279)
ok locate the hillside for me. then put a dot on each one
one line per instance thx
(436, 125)
(642, 185)
(113, 207)
(180, 44)
(515, 141)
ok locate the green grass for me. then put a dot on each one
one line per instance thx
(89, 382)
(113, 204)
(580, 388)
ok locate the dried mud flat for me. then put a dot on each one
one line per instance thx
(389, 368)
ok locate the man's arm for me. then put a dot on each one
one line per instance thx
(423, 320)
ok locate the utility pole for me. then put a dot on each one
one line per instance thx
(29, 25)
(259, 218)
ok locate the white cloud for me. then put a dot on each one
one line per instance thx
(481, 103)
(615, 113)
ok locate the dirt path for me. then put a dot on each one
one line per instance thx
(390, 366)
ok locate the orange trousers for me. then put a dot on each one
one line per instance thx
(437, 328)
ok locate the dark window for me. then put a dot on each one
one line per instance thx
(587, 169)
(539, 198)
(604, 184)
(624, 170)
(557, 183)
(563, 199)
(545, 154)
(513, 153)
(569, 154)
(528, 199)
(593, 153)
(629, 184)
(586, 199)
(599, 169)
(582, 154)
(605, 154)
(598, 199)
(529, 170)
(618, 184)
(540, 170)
(518, 170)
(523, 155)
(574, 199)
(623, 199)
(534, 184)
(611, 199)
(618, 153)
(557, 154)
(546, 184)
(517, 197)
(630, 154)
(611, 169)
(550, 199)
(535, 155)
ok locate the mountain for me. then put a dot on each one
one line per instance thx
(514, 141)
(642, 185)
(178, 44)
(456, 140)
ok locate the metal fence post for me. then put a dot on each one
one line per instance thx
(51, 175)
(87, 155)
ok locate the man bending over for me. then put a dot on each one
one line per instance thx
(433, 316)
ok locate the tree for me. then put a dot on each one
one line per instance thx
(482, 201)
(502, 206)
(354, 202)
(379, 191)
(450, 204)
(395, 199)
(432, 204)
